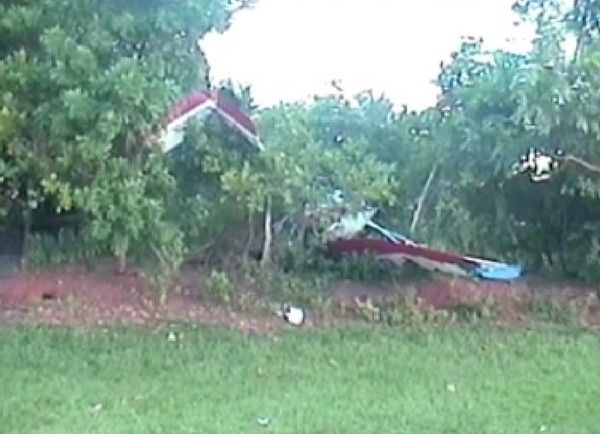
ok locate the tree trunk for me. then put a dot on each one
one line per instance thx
(250, 240)
(122, 262)
(268, 241)
(26, 237)
(421, 200)
(503, 215)
(578, 47)
(121, 248)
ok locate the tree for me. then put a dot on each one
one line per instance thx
(584, 21)
(83, 84)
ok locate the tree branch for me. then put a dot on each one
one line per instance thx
(422, 197)
(583, 163)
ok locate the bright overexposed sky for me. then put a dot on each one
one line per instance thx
(288, 50)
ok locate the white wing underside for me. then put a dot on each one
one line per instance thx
(174, 133)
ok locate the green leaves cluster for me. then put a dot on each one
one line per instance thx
(494, 107)
(83, 85)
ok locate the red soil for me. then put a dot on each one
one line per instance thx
(77, 296)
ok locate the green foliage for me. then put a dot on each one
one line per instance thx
(119, 210)
(296, 169)
(219, 286)
(548, 310)
(494, 106)
(66, 247)
(411, 314)
(167, 243)
(82, 85)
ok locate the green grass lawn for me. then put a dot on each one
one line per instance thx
(329, 381)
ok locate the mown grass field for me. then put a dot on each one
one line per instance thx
(351, 380)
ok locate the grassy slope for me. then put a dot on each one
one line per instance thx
(329, 381)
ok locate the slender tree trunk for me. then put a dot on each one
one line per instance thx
(121, 250)
(26, 237)
(250, 240)
(578, 47)
(502, 215)
(421, 200)
(27, 217)
(122, 263)
(268, 241)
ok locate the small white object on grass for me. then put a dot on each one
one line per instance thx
(293, 315)
(263, 421)
(95, 409)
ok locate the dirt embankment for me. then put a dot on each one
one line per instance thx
(78, 296)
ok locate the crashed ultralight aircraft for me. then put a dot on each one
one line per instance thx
(345, 234)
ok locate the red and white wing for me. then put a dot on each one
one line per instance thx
(200, 104)
(230, 111)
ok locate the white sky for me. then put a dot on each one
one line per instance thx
(288, 50)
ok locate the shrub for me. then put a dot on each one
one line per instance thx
(220, 287)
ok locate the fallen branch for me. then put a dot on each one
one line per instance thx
(583, 163)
